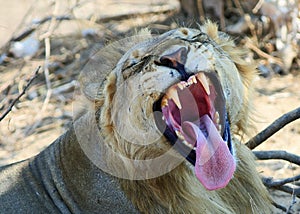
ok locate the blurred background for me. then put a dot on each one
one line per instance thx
(61, 35)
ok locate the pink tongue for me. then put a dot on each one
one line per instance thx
(214, 163)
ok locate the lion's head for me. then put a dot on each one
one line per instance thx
(186, 89)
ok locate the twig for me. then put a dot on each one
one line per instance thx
(28, 12)
(271, 183)
(251, 26)
(292, 204)
(286, 188)
(279, 154)
(201, 10)
(21, 94)
(268, 182)
(257, 6)
(48, 84)
(278, 206)
(273, 128)
(46, 67)
(36, 24)
(253, 47)
(65, 88)
(239, 7)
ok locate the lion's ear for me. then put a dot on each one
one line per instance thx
(144, 32)
(94, 73)
(211, 29)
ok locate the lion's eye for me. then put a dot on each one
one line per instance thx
(134, 67)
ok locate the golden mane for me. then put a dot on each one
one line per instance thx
(179, 191)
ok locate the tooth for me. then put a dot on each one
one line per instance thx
(202, 78)
(219, 127)
(192, 80)
(217, 118)
(181, 86)
(179, 135)
(164, 102)
(172, 94)
(187, 144)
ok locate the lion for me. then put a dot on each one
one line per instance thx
(157, 129)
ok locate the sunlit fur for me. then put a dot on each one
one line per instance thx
(178, 191)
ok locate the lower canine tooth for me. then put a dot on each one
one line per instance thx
(217, 118)
(219, 127)
(179, 135)
(187, 144)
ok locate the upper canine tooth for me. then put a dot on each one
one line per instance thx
(202, 78)
(172, 94)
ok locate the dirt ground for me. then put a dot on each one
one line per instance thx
(37, 119)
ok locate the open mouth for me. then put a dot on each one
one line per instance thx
(195, 122)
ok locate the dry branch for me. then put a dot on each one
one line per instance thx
(271, 183)
(284, 184)
(36, 24)
(21, 94)
(287, 189)
(273, 128)
(279, 154)
(278, 206)
(249, 44)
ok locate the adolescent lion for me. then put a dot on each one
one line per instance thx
(155, 131)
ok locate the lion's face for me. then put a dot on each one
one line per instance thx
(181, 88)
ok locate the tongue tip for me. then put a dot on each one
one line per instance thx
(215, 165)
(211, 184)
(216, 172)
(219, 178)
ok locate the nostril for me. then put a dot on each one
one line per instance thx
(167, 61)
(176, 60)
(178, 57)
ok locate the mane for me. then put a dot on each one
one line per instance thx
(178, 190)
(247, 70)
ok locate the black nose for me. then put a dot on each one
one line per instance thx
(176, 60)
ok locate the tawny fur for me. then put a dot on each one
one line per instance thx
(179, 191)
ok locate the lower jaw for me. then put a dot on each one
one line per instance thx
(187, 152)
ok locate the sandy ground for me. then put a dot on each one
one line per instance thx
(33, 123)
